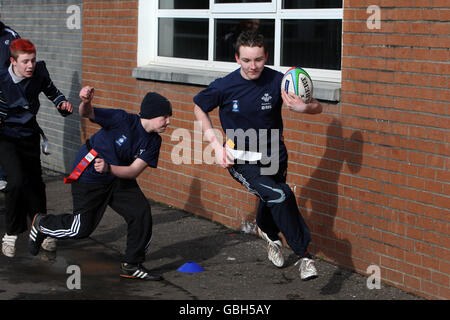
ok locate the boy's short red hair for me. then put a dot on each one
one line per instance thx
(19, 46)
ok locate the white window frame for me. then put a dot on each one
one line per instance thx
(148, 33)
(256, 7)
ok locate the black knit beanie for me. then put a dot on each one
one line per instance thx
(155, 105)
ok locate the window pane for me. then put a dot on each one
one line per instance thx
(183, 4)
(228, 30)
(311, 43)
(241, 1)
(310, 4)
(183, 38)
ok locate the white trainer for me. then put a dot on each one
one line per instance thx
(307, 269)
(9, 245)
(274, 249)
(49, 244)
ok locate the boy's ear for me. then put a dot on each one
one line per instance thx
(236, 56)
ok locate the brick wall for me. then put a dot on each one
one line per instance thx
(370, 173)
(44, 22)
(395, 92)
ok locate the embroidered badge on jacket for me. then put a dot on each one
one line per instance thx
(121, 140)
(235, 107)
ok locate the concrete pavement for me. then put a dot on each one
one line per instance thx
(235, 263)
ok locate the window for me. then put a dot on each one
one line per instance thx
(201, 34)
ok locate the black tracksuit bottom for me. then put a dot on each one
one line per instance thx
(20, 159)
(89, 204)
(277, 210)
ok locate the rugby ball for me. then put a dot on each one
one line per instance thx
(298, 81)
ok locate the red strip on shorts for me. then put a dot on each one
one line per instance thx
(81, 166)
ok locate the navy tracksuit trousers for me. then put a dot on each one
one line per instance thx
(277, 210)
(89, 204)
(25, 194)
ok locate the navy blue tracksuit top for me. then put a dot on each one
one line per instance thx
(19, 102)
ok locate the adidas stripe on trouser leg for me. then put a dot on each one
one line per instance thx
(90, 202)
(62, 233)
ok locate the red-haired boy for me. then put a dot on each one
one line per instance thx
(20, 86)
(7, 34)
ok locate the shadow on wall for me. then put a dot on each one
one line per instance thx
(194, 203)
(72, 125)
(322, 193)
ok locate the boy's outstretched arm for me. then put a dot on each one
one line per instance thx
(85, 109)
(124, 172)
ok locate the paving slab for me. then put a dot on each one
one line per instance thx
(235, 264)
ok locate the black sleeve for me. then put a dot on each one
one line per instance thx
(49, 89)
(8, 36)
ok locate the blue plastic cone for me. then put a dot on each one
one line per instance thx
(190, 267)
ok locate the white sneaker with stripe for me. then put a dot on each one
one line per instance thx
(307, 269)
(274, 249)
(9, 245)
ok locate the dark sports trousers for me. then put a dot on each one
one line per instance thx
(89, 204)
(277, 210)
(25, 192)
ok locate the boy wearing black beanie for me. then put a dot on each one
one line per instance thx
(105, 172)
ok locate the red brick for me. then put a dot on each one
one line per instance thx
(388, 190)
